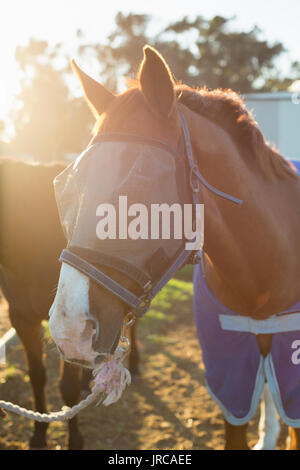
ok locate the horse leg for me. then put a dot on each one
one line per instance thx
(70, 382)
(86, 378)
(31, 337)
(268, 427)
(294, 439)
(134, 354)
(236, 437)
(268, 424)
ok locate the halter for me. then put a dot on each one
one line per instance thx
(140, 304)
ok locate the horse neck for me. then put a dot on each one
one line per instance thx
(248, 256)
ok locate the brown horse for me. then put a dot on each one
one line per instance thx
(251, 259)
(31, 240)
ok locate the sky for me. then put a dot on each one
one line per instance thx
(58, 20)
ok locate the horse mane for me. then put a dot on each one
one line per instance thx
(227, 109)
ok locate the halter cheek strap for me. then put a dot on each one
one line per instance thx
(195, 175)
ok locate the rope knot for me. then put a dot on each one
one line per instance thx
(111, 378)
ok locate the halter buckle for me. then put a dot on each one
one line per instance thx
(194, 182)
(147, 287)
(129, 319)
(124, 342)
(145, 300)
(143, 305)
(195, 258)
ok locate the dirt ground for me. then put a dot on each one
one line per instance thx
(168, 408)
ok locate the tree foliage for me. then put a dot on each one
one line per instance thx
(200, 52)
(50, 122)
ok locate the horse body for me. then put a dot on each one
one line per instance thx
(31, 240)
(251, 260)
(251, 257)
(32, 237)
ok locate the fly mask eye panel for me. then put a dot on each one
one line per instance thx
(114, 166)
(147, 171)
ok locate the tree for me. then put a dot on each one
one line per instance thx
(200, 52)
(48, 122)
(229, 59)
(122, 52)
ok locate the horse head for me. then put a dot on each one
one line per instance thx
(86, 318)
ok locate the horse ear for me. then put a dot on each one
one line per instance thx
(156, 82)
(97, 96)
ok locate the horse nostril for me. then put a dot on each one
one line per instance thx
(87, 333)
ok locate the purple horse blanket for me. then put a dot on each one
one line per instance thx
(235, 369)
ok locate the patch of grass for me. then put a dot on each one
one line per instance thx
(174, 298)
(46, 331)
(185, 274)
(153, 319)
(158, 339)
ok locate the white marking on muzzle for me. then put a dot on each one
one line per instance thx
(69, 325)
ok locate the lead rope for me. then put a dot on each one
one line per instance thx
(111, 379)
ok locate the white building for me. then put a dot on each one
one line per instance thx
(278, 116)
